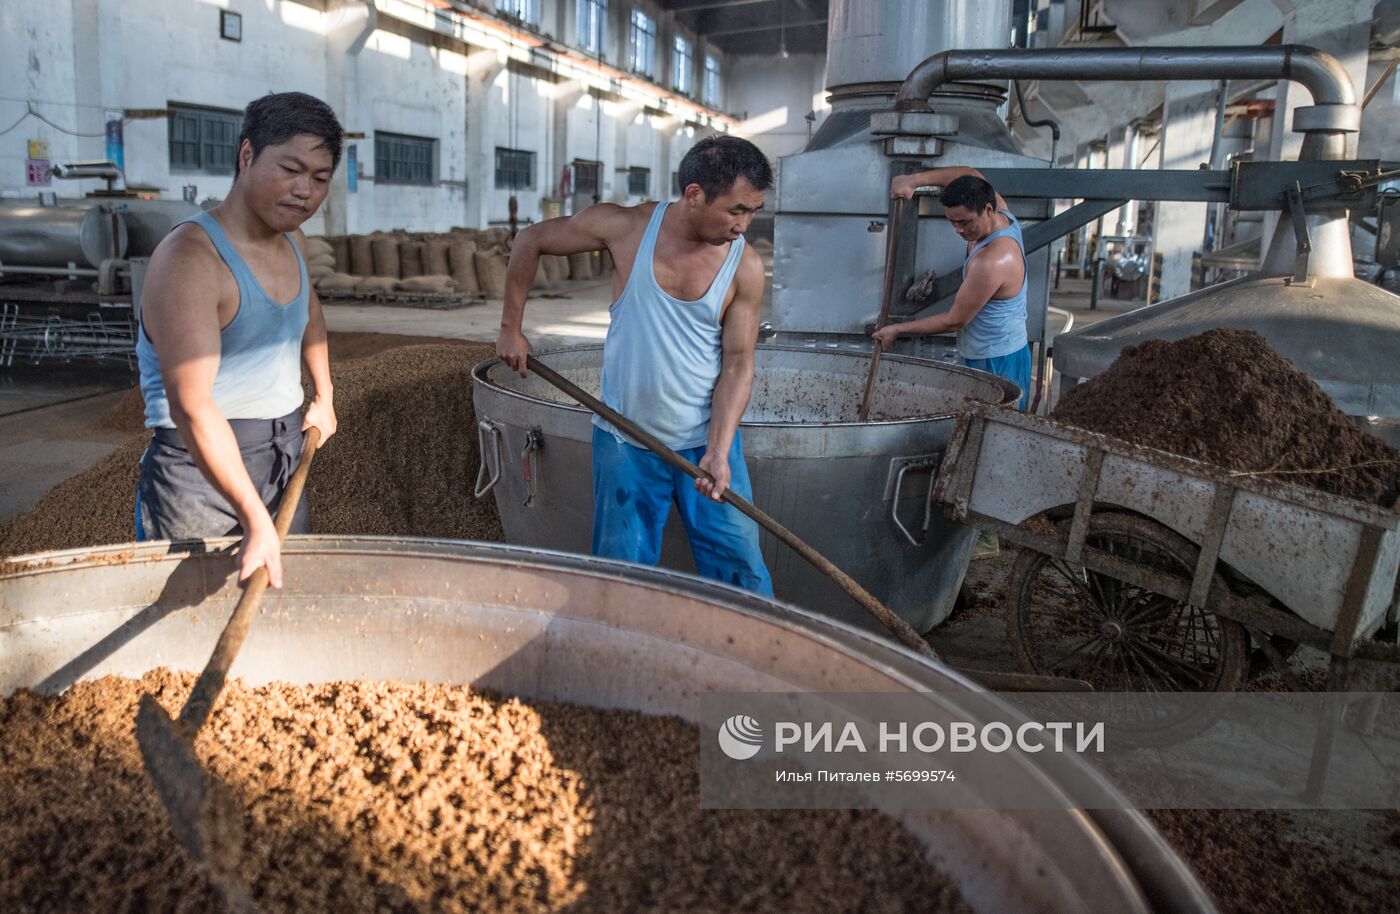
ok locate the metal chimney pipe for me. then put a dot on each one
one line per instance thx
(1334, 112)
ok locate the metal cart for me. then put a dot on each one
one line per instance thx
(1145, 571)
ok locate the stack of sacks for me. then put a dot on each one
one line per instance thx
(491, 266)
(320, 257)
(322, 268)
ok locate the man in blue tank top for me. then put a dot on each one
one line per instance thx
(678, 359)
(228, 317)
(989, 312)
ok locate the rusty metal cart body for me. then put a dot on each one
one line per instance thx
(1183, 563)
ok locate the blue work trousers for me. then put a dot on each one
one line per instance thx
(633, 491)
(1015, 367)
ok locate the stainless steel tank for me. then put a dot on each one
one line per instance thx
(857, 491)
(149, 221)
(552, 627)
(881, 41)
(55, 236)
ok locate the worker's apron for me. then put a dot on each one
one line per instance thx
(174, 501)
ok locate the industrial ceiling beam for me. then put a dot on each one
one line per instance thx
(696, 5)
(772, 27)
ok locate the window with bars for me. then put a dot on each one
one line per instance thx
(675, 184)
(711, 93)
(586, 176)
(643, 42)
(638, 181)
(592, 25)
(400, 159)
(681, 64)
(527, 11)
(515, 169)
(203, 139)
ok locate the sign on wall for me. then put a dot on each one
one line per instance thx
(116, 144)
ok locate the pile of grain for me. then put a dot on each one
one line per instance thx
(403, 463)
(1228, 398)
(1274, 861)
(363, 796)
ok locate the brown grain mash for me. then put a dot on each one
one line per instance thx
(385, 796)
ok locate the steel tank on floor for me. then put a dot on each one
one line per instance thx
(856, 491)
(547, 626)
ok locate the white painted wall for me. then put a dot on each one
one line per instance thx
(773, 95)
(77, 60)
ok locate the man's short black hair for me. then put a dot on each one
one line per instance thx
(716, 162)
(277, 117)
(969, 191)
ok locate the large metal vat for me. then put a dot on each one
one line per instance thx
(555, 627)
(55, 236)
(845, 486)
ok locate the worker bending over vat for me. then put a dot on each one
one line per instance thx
(989, 312)
(228, 316)
(678, 358)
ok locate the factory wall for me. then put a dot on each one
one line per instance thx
(81, 63)
(774, 96)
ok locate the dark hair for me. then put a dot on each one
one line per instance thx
(716, 162)
(969, 191)
(277, 117)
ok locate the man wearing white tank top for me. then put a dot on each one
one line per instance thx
(678, 359)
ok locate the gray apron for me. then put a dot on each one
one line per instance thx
(174, 501)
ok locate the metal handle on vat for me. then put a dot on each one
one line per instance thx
(913, 463)
(484, 428)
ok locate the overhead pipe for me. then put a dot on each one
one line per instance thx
(1334, 111)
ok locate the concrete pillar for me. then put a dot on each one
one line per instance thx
(1188, 124)
(344, 27)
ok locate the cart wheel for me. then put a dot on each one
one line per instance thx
(1064, 620)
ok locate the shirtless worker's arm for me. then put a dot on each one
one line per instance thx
(736, 372)
(607, 225)
(589, 230)
(994, 273)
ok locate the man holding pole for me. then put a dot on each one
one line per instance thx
(989, 313)
(678, 359)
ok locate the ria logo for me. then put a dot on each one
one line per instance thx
(741, 737)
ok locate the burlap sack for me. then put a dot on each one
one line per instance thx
(428, 283)
(461, 261)
(362, 255)
(377, 284)
(581, 265)
(322, 260)
(386, 257)
(316, 246)
(340, 249)
(435, 262)
(551, 268)
(411, 259)
(491, 273)
(337, 282)
(605, 264)
(542, 280)
(317, 272)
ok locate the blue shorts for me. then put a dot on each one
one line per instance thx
(633, 490)
(1015, 367)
